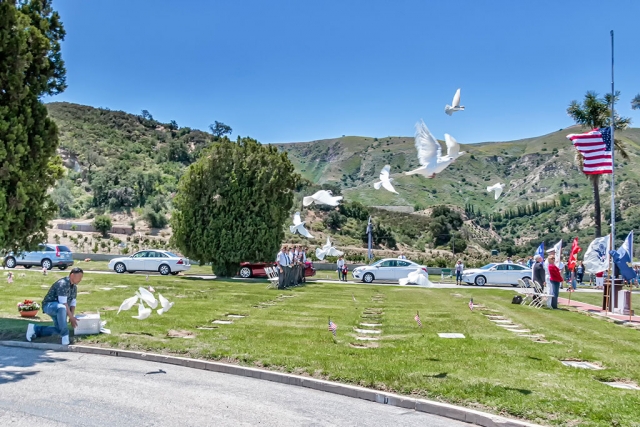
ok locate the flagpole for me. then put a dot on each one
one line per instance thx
(612, 237)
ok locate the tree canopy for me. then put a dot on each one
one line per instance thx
(31, 66)
(232, 204)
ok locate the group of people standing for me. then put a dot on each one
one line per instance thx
(292, 262)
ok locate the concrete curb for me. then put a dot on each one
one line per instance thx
(421, 405)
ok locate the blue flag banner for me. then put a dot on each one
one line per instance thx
(369, 231)
(623, 258)
(540, 250)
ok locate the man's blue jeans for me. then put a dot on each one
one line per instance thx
(555, 289)
(458, 276)
(58, 313)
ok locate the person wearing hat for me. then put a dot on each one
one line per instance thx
(60, 304)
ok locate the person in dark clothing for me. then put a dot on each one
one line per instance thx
(538, 271)
(580, 272)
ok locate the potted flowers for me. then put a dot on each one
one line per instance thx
(28, 308)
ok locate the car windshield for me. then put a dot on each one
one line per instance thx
(377, 262)
(172, 255)
(488, 266)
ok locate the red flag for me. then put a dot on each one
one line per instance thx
(573, 256)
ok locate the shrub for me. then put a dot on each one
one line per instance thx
(103, 224)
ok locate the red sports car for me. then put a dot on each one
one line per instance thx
(256, 269)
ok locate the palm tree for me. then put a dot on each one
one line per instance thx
(635, 102)
(593, 113)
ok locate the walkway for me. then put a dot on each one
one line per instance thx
(594, 309)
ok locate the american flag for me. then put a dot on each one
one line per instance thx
(417, 319)
(471, 304)
(595, 147)
(332, 327)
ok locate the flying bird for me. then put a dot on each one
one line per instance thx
(322, 197)
(143, 312)
(298, 227)
(150, 288)
(418, 277)
(455, 104)
(497, 188)
(327, 250)
(429, 153)
(453, 148)
(166, 305)
(147, 297)
(128, 303)
(385, 181)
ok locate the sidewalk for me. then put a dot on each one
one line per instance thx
(597, 310)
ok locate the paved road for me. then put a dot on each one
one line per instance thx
(44, 389)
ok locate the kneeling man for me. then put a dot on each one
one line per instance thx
(59, 303)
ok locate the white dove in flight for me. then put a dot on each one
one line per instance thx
(147, 297)
(455, 104)
(298, 227)
(327, 250)
(497, 188)
(143, 312)
(385, 181)
(128, 303)
(418, 277)
(166, 305)
(322, 197)
(429, 153)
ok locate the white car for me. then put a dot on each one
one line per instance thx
(164, 262)
(389, 269)
(497, 274)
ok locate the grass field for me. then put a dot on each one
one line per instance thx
(492, 369)
(103, 266)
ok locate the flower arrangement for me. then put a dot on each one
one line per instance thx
(28, 305)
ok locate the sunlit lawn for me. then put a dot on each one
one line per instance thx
(491, 369)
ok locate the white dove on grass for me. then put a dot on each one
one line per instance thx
(455, 104)
(497, 188)
(128, 303)
(147, 297)
(327, 250)
(419, 277)
(429, 153)
(143, 312)
(166, 305)
(298, 226)
(385, 181)
(322, 197)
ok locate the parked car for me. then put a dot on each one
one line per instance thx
(497, 274)
(386, 269)
(256, 269)
(164, 262)
(47, 256)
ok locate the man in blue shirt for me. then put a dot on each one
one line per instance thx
(59, 303)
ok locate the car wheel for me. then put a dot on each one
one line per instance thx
(120, 268)
(46, 263)
(27, 266)
(367, 278)
(164, 270)
(480, 281)
(62, 267)
(245, 272)
(174, 273)
(10, 262)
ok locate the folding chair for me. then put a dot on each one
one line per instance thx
(272, 277)
(540, 297)
(526, 290)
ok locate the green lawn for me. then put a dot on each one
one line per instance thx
(492, 369)
(103, 266)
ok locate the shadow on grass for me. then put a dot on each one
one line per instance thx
(13, 360)
(441, 375)
(534, 358)
(519, 390)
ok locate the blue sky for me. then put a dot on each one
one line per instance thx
(288, 71)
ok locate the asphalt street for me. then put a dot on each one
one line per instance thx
(70, 389)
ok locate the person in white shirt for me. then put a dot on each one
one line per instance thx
(283, 262)
(508, 261)
(340, 265)
(402, 256)
(459, 269)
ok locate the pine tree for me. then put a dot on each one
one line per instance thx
(30, 67)
(232, 204)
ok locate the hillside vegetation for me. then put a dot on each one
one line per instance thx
(126, 164)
